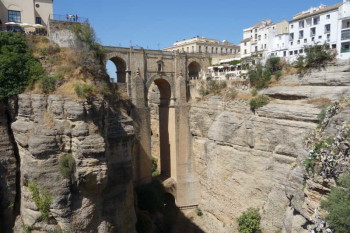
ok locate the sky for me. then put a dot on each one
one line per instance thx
(156, 24)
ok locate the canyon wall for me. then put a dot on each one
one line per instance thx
(255, 159)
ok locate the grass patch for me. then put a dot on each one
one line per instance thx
(67, 165)
(42, 200)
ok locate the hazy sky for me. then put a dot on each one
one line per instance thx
(156, 24)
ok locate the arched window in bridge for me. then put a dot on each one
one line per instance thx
(160, 66)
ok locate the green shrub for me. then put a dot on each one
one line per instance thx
(203, 92)
(199, 212)
(27, 229)
(87, 35)
(259, 76)
(273, 64)
(48, 84)
(321, 116)
(42, 200)
(259, 101)
(317, 55)
(214, 87)
(231, 93)
(18, 68)
(249, 221)
(310, 164)
(66, 165)
(254, 92)
(52, 49)
(155, 171)
(337, 205)
(84, 90)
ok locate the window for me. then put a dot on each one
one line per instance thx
(328, 37)
(328, 16)
(334, 46)
(291, 36)
(290, 52)
(295, 51)
(291, 26)
(284, 53)
(319, 37)
(245, 43)
(259, 38)
(301, 34)
(245, 51)
(212, 49)
(301, 24)
(37, 20)
(206, 49)
(291, 43)
(312, 31)
(265, 36)
(316, 20)
(14, 16)
(200, 49)
(192, 49)
(159, 67)
(305, 40)
(298, 42)
(327, 28)
(300, 50)
(265, 46)
(37, 5)
(256, 48)
(345, 47)
(312, 38)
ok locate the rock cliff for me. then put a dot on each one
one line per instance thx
(255, 159)
(98, 196)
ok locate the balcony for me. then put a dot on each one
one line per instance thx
(345, 50)
(345, 35)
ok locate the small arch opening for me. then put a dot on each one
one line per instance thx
(194, 69)
(119, 69)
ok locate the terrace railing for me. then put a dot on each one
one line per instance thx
(69, 18)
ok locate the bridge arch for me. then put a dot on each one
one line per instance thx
(194, 69)
(159, 92)
(121, 66)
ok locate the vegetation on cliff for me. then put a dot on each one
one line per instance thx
(19, 69)
(42, 200)
(249, 221)
(337, 205)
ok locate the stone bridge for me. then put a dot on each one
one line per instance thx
(156, 82)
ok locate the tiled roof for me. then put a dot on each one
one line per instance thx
(246, 40)
(309, 14)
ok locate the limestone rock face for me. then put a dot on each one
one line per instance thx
(8, 169)
(245, 159)
(98, 197)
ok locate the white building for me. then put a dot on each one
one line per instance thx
(318, 25)
(204, 45)
(255, 39)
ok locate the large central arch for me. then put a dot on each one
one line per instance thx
(164, 139)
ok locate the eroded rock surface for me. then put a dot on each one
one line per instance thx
(246, 159)
(99, 195)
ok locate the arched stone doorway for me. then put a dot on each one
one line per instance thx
(120, 65)
(162, 125)
(194, 69)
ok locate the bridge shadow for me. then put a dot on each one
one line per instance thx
(157, 211)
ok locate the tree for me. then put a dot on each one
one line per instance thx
(338, 205)
(18, 67)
